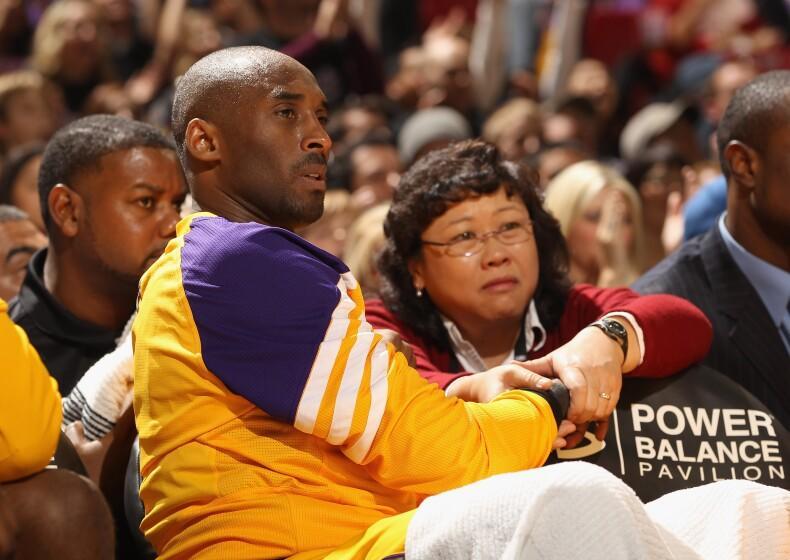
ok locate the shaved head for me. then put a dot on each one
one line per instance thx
(222, 82)
(756, 111)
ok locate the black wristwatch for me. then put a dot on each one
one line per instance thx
(614, 330)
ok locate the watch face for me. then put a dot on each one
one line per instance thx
(615, 327)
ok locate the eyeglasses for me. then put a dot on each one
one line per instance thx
(469, 243)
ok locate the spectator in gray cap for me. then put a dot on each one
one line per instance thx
(669, 123)
(430, 129)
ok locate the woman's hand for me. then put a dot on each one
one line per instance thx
(590, 365)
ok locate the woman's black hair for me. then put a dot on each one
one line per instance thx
(440, 179)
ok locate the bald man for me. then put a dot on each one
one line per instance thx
(274, 422)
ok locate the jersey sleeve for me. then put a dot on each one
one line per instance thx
(30, 410)
(283, 325)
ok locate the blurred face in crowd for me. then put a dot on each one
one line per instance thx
(375, 169)
(447, 78)
(553, 160)
(723, 83)
(19, 239)
(125, 211)
(80, 48)
(289, 19)
(28, 118)
(590, 79)
(583, 245)
(276, 148)
(359, 121)
(521, 139)
(115, 11)
(24, 191)
(495, 284)
(660, 180)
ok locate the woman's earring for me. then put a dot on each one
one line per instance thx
(419, 292)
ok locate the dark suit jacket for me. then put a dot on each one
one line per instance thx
(746, 344)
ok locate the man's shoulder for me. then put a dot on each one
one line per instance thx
(213, 239)
(683, 272)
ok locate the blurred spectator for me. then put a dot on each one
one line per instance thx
(19, 239)
(129, 48)
(721, 86)
(110, 191)
(601, 218)
(364, 243)
(28, 109)
(657, 174)
(374, 170)
(698, 174)
(670, 123)
(515, 128)
(430, 129)
(69, 48)
(572, 119)
(446, 79)
(19, 182)
(405, 85)
(236, 18)
(704, 208)
(321, 34)
(330, 231)
(554, 158)
(357, 118)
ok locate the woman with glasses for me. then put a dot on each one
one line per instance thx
(474, 277)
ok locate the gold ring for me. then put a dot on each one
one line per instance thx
(606, 396)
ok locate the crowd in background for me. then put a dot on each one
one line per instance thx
(613, 105)
(632, 88)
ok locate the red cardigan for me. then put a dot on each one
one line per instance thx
(676, 333)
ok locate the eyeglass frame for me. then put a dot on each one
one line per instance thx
(481, 239)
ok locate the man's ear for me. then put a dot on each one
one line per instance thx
(744, 163)
(203, 141)
(65, 207)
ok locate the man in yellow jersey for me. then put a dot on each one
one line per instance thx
(43, 514)
(274, 422)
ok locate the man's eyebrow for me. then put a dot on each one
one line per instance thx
(22, 249)
(280, 93)
(149, 187)
(285, 95)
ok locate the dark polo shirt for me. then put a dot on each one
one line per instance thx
(67, 345)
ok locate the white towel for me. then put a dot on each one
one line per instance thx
(579, 510)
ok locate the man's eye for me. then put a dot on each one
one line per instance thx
(323, 120)
(147, 202)
(287, 113)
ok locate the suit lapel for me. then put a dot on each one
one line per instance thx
(751, 327)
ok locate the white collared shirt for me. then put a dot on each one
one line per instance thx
(469, 358)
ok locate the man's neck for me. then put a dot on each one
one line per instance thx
(217, 202)
(745, 229)
(87, 297)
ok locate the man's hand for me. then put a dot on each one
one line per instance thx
(589, 365)
(400, 345)
(484, 386)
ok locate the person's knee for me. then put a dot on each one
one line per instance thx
(61, 512)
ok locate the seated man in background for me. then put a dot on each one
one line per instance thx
(43, 514)
(110, 192)
(19, 239)
(739, 272)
